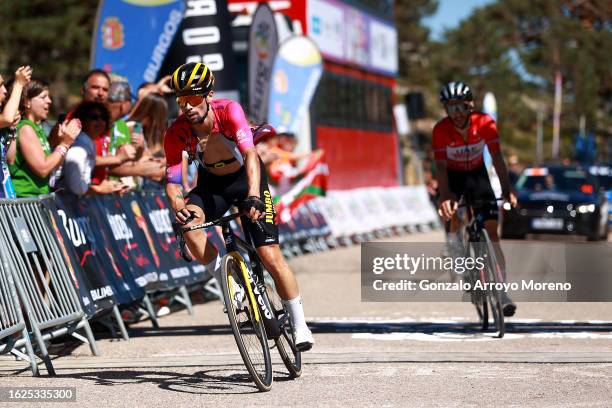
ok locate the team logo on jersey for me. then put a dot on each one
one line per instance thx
(113, 37)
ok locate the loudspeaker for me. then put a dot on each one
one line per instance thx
(415, 105)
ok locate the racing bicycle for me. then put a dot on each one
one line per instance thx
(477, 244)
(253, 306)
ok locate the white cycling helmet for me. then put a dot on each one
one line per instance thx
(455, 90)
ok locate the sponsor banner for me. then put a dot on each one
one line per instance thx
(85, 253)
(174, 271)
(204, 36)
(263, 44)
(360, 211)
(132, 37)
(295, 10)
(128, 284)
(118, 219)
(297, 69)
(348, 35)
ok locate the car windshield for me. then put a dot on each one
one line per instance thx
(603, 174)
(556, 180)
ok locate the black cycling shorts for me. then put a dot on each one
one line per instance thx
(216, 194)
(474, 185)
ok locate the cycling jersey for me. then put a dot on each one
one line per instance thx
(229, 121)
(462, 155)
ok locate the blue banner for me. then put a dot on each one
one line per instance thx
(297, 69)
(132, 37)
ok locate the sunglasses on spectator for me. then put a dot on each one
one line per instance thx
(95, 116)
(193, 100)
(462, 108)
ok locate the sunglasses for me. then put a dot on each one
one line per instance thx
(462, 108)
(193, 100)
(95, 116)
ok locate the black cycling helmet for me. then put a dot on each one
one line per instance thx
(455, 90)
(192, 79)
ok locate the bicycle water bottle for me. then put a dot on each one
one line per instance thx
(6, 185)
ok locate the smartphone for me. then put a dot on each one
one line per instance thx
(137, 127)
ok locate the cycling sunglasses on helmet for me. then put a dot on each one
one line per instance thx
(462, 108)
(193, 100)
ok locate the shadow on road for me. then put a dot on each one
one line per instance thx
(212, 381)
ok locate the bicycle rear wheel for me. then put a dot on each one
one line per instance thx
(494, 295)
(246, 322)
(285, 343)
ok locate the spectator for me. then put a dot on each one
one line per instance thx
(513, 169)
(34, 161)
(10, 116)
(152, 113)
(81, 158)
(9, 113)
(115, 147)
(124, 133)
(96, 84)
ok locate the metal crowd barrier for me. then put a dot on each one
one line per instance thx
(41, 278)
(12, 322)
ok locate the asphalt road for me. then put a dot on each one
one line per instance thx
(366, 354)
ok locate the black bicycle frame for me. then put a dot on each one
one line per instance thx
(233, 243)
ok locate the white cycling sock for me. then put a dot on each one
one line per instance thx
(214, 268)
(296, 311)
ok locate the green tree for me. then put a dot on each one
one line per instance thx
(54, 37)
(413, 41)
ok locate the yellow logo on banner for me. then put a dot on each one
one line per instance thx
(149, 3)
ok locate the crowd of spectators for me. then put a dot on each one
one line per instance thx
(110, 142)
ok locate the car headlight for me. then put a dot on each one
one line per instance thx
(507, 206)
(586, 208)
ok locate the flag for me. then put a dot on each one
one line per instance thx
(302, 184)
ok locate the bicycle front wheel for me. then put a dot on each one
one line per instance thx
(246, 321)
(478, 296)
(285, 343)
(494, 295)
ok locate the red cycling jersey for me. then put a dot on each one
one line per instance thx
(462, 155)
(229, 121)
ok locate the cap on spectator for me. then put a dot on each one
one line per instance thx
(119, 92)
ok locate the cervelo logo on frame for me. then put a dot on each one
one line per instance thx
(149, 3)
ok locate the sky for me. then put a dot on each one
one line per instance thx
(450, 13)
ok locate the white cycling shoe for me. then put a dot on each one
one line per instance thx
(303, 338)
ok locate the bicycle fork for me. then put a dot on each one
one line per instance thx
(256, 291)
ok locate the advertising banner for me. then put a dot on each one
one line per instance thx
(204, 36)
(132, 245)
(263, 44)
(297, 70)
(174, 270)
(132, 37)
(348, 35)
(84, 253)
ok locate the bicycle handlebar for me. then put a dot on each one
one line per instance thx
(212, 223)
(479, 203)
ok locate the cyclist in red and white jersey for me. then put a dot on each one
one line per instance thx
(458, 142)
(216, 134)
